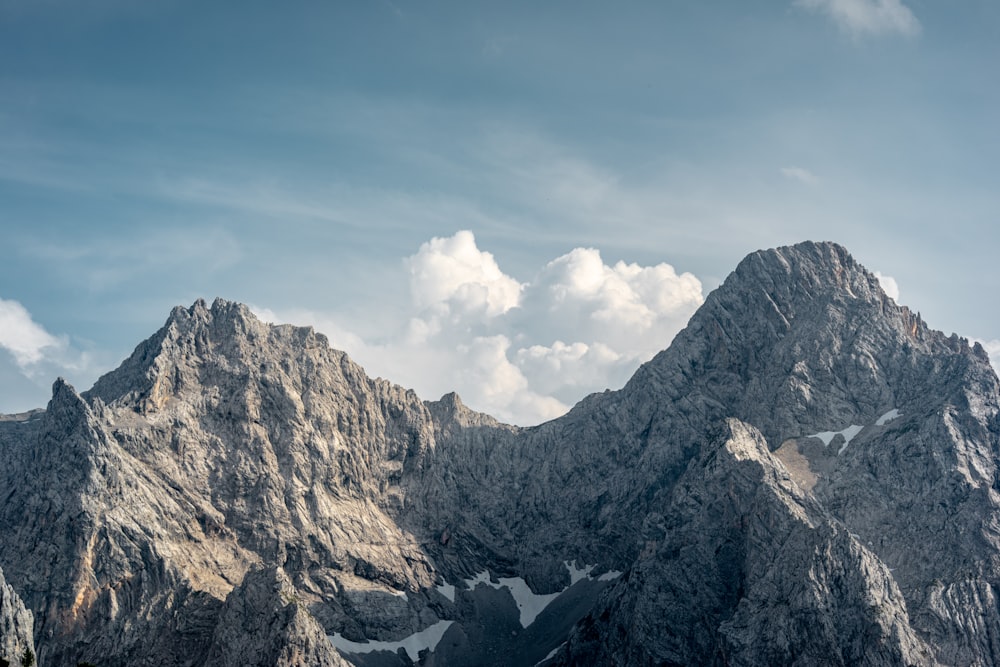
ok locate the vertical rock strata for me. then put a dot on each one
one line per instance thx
(16, 625)
(807, 475)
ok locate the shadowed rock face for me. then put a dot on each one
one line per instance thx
(807, 475)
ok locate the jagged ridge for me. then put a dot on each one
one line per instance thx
(224, 446)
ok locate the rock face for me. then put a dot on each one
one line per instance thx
(807, 475)
(16, 625)
(751, 571)
(221, 444)
(264, 622)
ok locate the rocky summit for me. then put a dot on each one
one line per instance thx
(806, 476)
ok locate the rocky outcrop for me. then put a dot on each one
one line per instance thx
(749, 570)
(265, 622)
(807, 475)
(16, 626)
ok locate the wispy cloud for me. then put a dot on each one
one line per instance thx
(250, 196)
(37, 354)
(430, 166)
(114, 260)
(663, 205)
(799, 174)
(866, 17)
(24, 338)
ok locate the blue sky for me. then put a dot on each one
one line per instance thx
(479, 196)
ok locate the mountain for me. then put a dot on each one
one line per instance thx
(807, 475)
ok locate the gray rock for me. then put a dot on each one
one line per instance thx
(230, 466)
(750, 571)
(16, 625)
(264, 622)
(220, 444)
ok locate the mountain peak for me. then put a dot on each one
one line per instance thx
(804, 337)
(66, 405)
(187, 338)
(451, 413)
(200, 313)
(809, 269)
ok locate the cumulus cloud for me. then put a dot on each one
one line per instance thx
(451, 275)
(587, 317)
(889, 285)
(22, 337)
(570, 369)
(871, 17)
(799, 174)
(522, 351)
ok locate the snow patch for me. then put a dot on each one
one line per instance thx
(528, 603)
(887, 417)
(447, 590)
(428, 638)
(848, 434)
(577, 574)
(481, 578)
(827, 436)
(551, 655)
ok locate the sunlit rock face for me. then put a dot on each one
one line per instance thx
(805, 476)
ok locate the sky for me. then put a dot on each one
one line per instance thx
(520, 202)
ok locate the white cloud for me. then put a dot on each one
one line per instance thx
(452, 274)
(485, 368)
(35, 357)
(889, 285)
(799, 174)
(571, 369)
(634, 310)
(20, 335)
(522, 352)
(860, 17)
